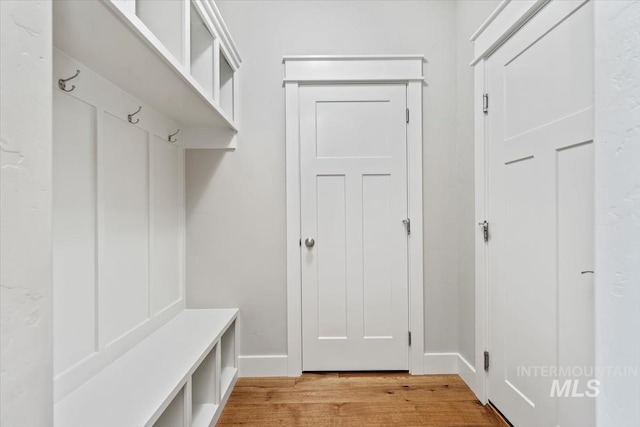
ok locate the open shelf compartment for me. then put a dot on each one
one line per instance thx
(205, 390)
(202, 51)
(227, 88)
(175, 414)
(229, 370)
(166, 20)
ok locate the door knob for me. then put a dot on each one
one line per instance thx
(309, 242)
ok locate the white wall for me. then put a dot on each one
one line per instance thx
(236, 200)
(469, 15)
(617, 266)
(25, 214)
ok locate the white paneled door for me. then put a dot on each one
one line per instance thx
(354, 243)
(540, 213)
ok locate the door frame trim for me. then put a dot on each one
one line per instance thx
(300, 70)
(506, 20)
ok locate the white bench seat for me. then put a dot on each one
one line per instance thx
(138, 387)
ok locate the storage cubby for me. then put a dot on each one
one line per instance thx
(228, 359)
(174, 415)
(205, 391)
(166, 21)
(202, 63)
(227, 75)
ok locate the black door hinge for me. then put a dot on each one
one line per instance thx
(407, 115)
(486, 361)
(484, 226)
(409, 338)
(485, 103)
(407, 224)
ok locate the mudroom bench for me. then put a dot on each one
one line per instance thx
(179, 376)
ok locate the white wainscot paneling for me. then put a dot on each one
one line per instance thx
(74, 281)
(166, 220)
(118, 218)
(124, 228)
(118, 223)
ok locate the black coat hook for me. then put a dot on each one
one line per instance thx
(130, 116)
(62, 83)
(172, 135)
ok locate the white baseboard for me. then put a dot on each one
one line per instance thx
(450, 363)
(440, 363)
(262, 366)
(434, 363)
(467, 372)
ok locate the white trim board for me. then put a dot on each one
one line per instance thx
(503, 22)
(434, 364)
(317, 69)
(467, 373)
(263, 366)
(353, 69)
(450, 363)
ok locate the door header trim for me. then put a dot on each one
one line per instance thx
(375, 68)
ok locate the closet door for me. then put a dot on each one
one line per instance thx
(353, 182)
(540, 211)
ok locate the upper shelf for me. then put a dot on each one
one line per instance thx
(111, 38)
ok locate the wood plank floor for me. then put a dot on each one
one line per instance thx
(356, 399)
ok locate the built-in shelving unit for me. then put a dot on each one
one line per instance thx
(135, 83)
(177, 56)
(180, 376)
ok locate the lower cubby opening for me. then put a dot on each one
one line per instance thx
(228, 359)
(204, 391)
(174, 415)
